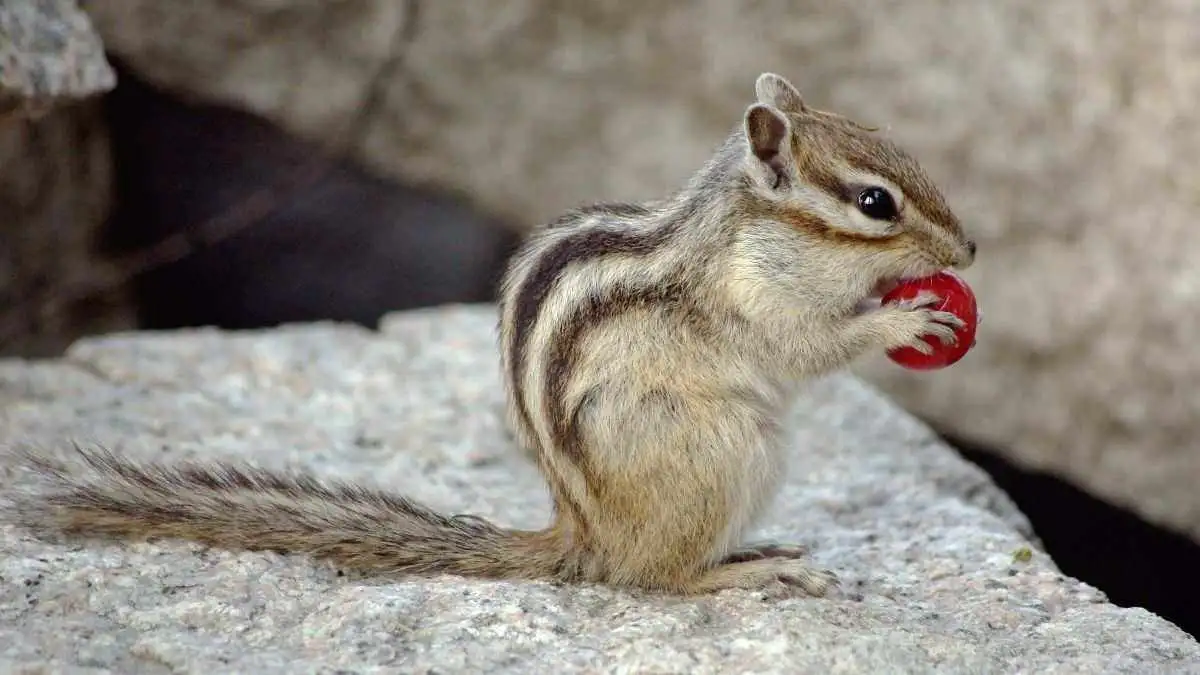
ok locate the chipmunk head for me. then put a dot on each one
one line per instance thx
(838, 203)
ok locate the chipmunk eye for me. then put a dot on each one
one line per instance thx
(877, 203)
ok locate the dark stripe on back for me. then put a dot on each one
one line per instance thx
(579, 247)
(618, 209)
(565, 353)
(622, 209)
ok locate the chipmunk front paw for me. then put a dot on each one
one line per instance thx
(906, 322)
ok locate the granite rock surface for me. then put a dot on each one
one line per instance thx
(926, 546)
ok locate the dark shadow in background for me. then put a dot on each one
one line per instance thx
(349, 247)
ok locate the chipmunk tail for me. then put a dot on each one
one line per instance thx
(94, 493)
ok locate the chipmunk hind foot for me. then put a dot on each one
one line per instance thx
(766, 549)
(766, 574)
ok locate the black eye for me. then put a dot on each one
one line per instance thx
(875, 202)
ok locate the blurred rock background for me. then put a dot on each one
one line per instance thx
(261, 161)
(55, 179)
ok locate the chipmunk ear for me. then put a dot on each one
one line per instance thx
(767, 132)
(775, 90)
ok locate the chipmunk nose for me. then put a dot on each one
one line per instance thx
(967, 260)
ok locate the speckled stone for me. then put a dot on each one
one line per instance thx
(49, 52)
(924, 542)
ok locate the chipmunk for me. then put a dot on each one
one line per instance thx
(649, 352)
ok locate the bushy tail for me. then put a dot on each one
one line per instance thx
(95, 493)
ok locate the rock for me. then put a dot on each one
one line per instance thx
(55, 194)
(1069, 152)
(54, 180)
(49, 53)
(321, 60)
(928, 548)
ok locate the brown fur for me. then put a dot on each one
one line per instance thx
(649, 354)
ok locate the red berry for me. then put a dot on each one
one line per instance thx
(956, 298)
